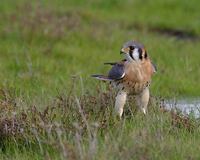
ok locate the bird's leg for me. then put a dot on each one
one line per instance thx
(143, 99)
(120, 102)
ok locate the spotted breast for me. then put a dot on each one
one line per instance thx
(132, 77)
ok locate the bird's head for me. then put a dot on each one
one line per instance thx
(134, 51)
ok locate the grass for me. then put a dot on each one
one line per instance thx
(84, 128)
(50, 108)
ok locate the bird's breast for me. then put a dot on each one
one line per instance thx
(135, 87)
(137, 77)
(137, 72)
(130, 86)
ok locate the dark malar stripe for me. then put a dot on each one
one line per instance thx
(131, 53)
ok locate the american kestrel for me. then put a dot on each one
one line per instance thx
(131, 76)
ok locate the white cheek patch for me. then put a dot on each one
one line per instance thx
(136, 54)
(128, 58)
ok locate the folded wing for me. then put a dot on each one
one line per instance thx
(116, 73)
(154, 67)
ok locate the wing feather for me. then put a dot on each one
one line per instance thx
(154, 67)
(117, 72)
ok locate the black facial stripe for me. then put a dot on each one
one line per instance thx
(145, 54)
(140, 53)
(131, 53)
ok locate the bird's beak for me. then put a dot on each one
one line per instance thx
(122, 51)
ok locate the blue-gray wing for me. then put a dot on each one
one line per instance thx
(154, 67)
(116, 72)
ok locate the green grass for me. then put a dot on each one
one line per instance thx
(45, 44)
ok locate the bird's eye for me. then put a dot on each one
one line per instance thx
(132, 47)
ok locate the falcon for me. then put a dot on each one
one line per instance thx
(131, 76)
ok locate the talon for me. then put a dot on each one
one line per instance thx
(144, 111)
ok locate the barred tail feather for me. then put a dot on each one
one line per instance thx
(101, 77)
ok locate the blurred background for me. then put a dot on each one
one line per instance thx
(50, 107)
(45, 44)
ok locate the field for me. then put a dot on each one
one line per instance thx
(50, 107)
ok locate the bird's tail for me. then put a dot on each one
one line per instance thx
(101, 77)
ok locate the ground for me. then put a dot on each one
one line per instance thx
(50, 107)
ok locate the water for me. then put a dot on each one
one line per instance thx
(186, 107)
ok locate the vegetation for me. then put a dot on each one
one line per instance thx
(50, 108)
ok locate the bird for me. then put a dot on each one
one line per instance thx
(131, 75)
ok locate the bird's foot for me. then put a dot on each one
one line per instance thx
(144, 111)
